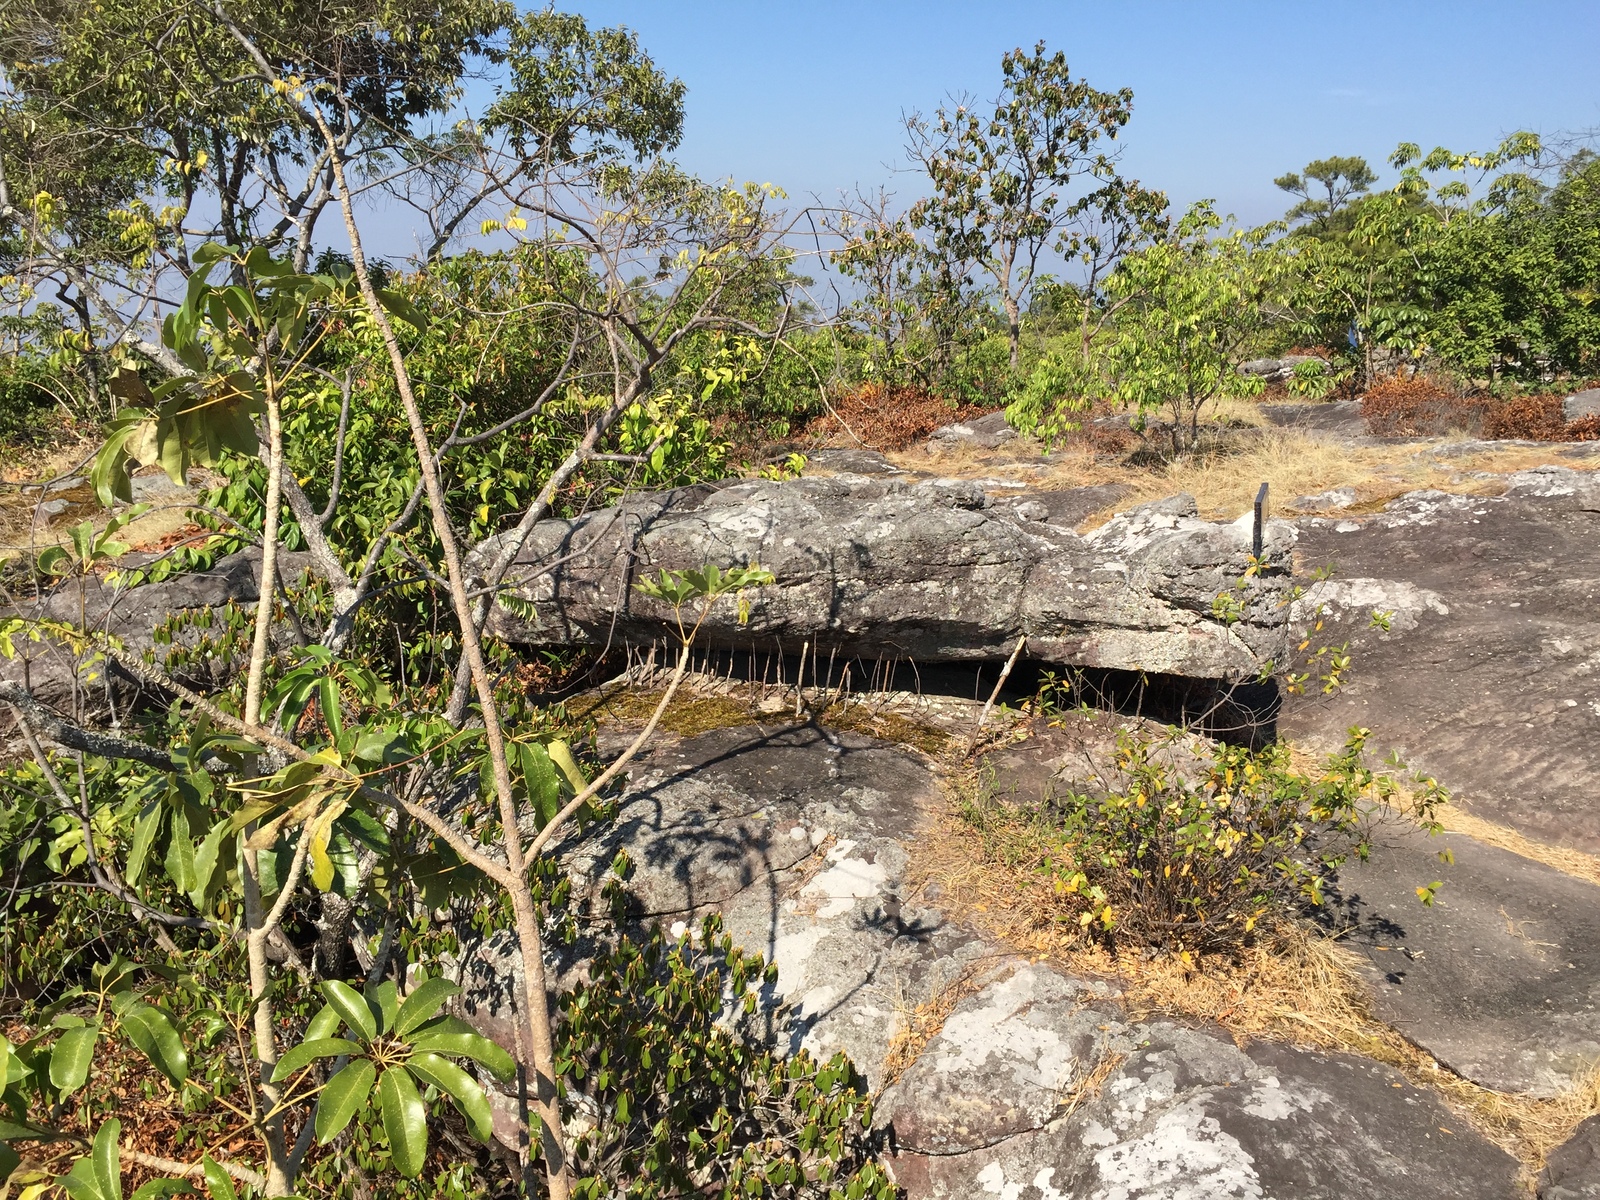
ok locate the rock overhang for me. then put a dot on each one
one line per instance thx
(932, 571)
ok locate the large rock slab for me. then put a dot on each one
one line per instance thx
(1339, 419)
(1030, 1093)
(798, 836)
(59, 678)
(1489, 678)
(1496, 979)
(932, 571)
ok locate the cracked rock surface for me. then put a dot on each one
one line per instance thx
(934, 570)
(1171, 1112)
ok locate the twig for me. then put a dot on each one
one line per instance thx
(995, 695)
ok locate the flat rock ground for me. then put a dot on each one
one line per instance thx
(1033, 1082)
(1037, 1084)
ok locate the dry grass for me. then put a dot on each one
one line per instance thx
(1570, 862)
(1298, 985)
(25, 531)
(1088, 1088)
(1224, 481)
(919, 1024)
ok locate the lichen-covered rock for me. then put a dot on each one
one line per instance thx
(798, 836)
(1151, 1110)
(931, 571)
(59, 678)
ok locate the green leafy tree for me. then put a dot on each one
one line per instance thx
(1372, 284)
(131, 134)
(1327, 188)
(1018, 184)
(323, 791)
(1200, 303)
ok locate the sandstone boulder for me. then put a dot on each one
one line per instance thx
(59, 679)
(936, 570)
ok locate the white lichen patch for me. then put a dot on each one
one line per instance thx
(1358, 599)
(848, 880)
(1184, 1155)
(1038, 1060)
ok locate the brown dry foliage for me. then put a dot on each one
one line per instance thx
(1419, 407)
(1538, 419)
(885, 418)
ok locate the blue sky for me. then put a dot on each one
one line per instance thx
(1226, 95)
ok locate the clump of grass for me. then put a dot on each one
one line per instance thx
(1157, 861)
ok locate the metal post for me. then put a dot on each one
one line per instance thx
(1261, 505)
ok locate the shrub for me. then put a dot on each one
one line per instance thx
(1419, 407)
(1159, 862)
(891, 418)
(1534, 418)
(680, 1101)
(1538, 419)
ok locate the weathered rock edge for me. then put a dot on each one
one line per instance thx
(939, 570)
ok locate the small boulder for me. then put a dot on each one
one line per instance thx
(1276, 370)
(1333, 498)
(988, 432)
(1581, 405)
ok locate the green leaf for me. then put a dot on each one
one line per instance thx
(332, 712)
(10, 1160)
(352, 1006)
(157, 1037)
(424, 1001)
(80, 1183)
(345, 1095)
(384, 746)
(158, 1189)
(108, 1160)
(453, 1036)
(205, 863)
(402, 308)
(71, 1058)
(405, 1120)
(384, 1000)
(324, 1025)
(144, 836)
(540, 779)
(180, 850)
(462, 1089)
(301, 1056)
(561, 755)
(218, 1182)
